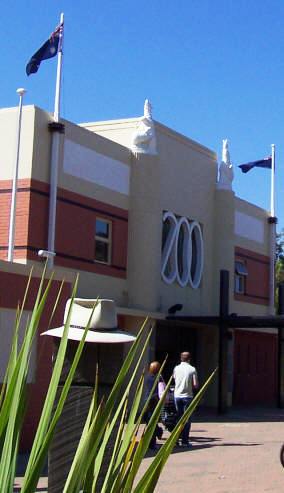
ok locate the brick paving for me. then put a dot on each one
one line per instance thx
(238, 453)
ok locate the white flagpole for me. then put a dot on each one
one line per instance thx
(59, 71)
(272, 221)
(11, 240)
(272, 195)
(56, 130)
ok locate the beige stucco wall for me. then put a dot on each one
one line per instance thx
(181, 178)
(178, 179)
(144, 232)
(37, 269)
(85, 139)
(94, 286)
(8, 142)
(34, 162)
(42, 146)
(183, 181)
(188, 175)
(223, 244)
(103, 147)
(259, 214)
(35, 152)
(119, 131)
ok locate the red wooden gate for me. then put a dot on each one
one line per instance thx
(255, 368)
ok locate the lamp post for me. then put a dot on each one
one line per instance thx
(11, 241)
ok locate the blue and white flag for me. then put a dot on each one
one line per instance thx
(262, 163)
(48, 50)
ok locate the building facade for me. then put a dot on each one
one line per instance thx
(148, 219)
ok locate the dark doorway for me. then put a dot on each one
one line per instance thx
(171, 339)
(255, 368)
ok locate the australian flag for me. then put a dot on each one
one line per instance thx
(262, 163)
(48, 50)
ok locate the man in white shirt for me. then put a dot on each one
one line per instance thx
(186, 381)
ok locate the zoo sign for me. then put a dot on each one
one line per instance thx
(182, 251)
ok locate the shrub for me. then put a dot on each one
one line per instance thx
(108, 423)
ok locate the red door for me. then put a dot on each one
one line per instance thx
(255, 368)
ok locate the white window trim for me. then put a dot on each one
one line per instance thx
(242, 277)
(237, 288)
(104, 240)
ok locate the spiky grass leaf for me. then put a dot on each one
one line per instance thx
(150, 478)
(12, 410)
(12, 366)
(88, 480)
(114, 402)
(47, 424)
(101, 422)
(144, 443)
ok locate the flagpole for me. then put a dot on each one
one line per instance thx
(59, 72)
(272, 222)
(11, 240)
(272, 194)
(56, 128)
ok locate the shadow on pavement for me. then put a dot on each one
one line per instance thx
(211, 445)
(240, 414)
(199, 443)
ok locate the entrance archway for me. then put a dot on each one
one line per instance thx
(171, 340)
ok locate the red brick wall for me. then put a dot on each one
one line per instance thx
(22, 216)
(75, 227)
(257, 281)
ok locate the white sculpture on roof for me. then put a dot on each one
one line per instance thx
(144, 138)
(226, 172)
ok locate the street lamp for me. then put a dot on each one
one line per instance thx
(11, 241)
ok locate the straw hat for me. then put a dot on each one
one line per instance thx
(103, 325)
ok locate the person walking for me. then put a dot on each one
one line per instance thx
(149, 382)
(186, 381)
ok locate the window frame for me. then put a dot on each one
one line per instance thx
(107, 241)
(241, 274)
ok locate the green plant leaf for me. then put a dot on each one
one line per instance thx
(12, 409)
(149, 480)
(114, 401)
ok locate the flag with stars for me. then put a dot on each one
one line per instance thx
(48, 50)
(262, 163)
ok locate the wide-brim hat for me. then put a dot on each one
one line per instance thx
(102, 326)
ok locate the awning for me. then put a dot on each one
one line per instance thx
(233, 320)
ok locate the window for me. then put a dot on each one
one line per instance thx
(103, 241)
(240, 277)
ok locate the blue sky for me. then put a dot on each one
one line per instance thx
(212, 70)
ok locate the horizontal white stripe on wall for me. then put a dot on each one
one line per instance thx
(89, 165)
(249, 227)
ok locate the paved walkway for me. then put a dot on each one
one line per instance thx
(238, 453)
